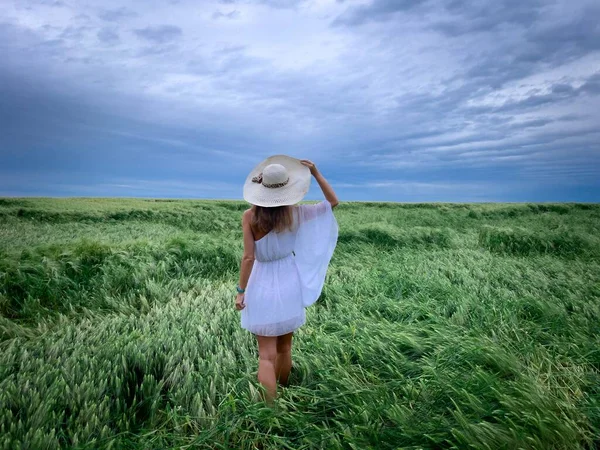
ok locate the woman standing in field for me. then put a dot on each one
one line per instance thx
(287, 249)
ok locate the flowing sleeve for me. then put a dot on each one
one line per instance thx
(316, 238)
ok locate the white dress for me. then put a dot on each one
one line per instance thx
(289, 271)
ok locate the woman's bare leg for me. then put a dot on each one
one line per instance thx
(267, 355)
(284, 358)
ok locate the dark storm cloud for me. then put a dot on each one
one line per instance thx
(468, 16)
(50, 133)
(592, 85)
(378, 10)
(535, 123)
(566, 40)
(463, 16)
(108, 36)
(159, 34)
(510, 61)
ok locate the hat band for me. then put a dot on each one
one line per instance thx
(276, 185)
(259, 179)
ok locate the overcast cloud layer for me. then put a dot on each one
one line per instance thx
(424, 100)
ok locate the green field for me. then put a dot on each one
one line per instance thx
(439, 326)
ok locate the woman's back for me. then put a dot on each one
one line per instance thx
(278, 244)
(274, 245)
(289, 271)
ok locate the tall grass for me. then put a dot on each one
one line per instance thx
(440, 326)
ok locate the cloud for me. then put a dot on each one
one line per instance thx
(159, 34)
(469, 16)
(591, 85)
(547, 41)
(566, 39)
(117, 14)
(108, 36)
(377, 10)
(277, 4)
(559, 92)
(74, 32)
(40, 184)
(230, 15)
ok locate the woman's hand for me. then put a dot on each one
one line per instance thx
(313, 168)
(239, 302)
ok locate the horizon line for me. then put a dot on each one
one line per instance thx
(340, 201)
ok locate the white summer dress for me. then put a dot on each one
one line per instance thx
(289, 271)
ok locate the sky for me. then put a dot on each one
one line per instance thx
(393, 100)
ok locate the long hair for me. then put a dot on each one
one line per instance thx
(278, 218)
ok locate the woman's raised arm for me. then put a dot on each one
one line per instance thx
(323, 183)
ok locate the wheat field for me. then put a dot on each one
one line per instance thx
(439, 326)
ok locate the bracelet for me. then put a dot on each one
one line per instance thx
(239, 289)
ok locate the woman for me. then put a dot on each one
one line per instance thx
(287, 249)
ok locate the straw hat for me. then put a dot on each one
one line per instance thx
(276, 181)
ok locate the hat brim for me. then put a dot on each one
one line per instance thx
(290, 194)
